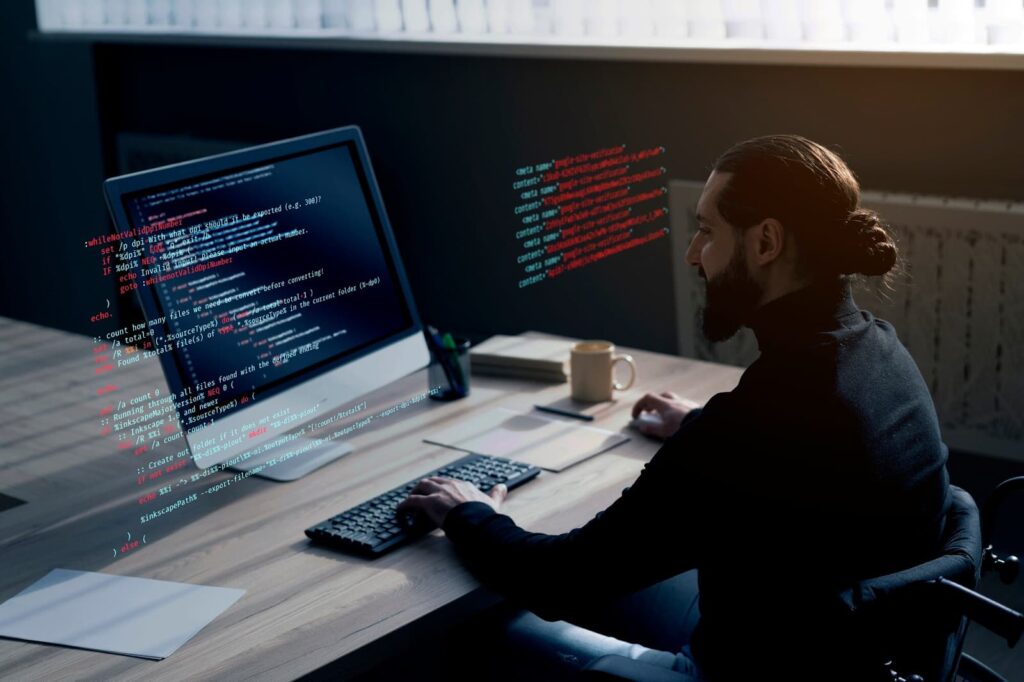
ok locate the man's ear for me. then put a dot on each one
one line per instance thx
(768, 238)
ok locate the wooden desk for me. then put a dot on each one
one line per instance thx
(304, 606)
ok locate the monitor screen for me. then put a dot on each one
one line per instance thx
(265, 273)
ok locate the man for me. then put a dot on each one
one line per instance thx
(823, 466)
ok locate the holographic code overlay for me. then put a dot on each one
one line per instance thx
(580, 209)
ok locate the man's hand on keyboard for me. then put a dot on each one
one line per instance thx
(436, 496)
(670, 407)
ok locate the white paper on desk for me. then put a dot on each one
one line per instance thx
(547, 443)
(112, 613)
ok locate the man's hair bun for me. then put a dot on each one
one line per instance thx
(867, 247)
(811, 191)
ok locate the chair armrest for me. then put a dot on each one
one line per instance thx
(613, 667)
(974, 670)
(1000, 619)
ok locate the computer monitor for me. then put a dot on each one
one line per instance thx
(273, 291)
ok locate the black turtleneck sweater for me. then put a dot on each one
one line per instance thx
(823, 466)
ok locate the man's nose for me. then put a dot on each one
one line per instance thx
(693, 252)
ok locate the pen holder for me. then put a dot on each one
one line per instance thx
(450, 371)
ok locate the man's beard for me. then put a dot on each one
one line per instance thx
(730, 299)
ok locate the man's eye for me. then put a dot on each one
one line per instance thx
(703, 230)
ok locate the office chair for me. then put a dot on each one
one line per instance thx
(914, 620)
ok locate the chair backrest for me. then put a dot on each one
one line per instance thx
(898, 613)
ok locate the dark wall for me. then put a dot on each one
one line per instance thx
(446, 133)
(50, 199)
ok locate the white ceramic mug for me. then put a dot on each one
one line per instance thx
(591, 371)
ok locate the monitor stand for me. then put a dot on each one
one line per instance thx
(298, 466)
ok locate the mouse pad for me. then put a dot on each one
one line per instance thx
(550, 444)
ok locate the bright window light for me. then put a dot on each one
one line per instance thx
(883, 25)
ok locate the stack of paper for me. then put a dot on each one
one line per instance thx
(522, 358)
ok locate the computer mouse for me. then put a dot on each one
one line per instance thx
(652, 419)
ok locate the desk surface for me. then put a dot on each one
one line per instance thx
(304, 606)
